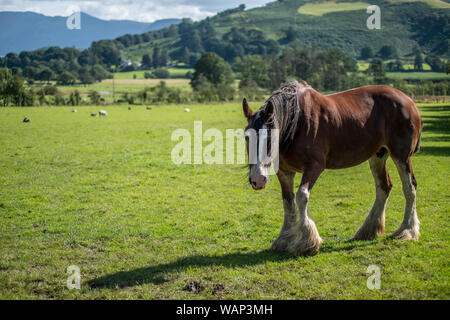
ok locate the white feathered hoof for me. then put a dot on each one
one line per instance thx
(280, 244)
(368, 232)
(305, 239)
(404, 233)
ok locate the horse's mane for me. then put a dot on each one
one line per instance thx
(286, 111)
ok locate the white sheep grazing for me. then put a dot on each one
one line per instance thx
(187, 110)
(102, 113)
(74, 110)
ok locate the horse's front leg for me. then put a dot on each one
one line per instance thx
(304, 237)
(290, 210)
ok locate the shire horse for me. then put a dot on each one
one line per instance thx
(341, 130)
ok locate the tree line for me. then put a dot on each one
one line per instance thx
(65, 65)
(389, 52)
(331, 70)
(213, 78)
(14, 92)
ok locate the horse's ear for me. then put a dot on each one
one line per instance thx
(248, 112)
(268, 111)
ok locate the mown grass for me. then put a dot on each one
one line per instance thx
(431, 3)
(103, 194)
(418, 75)
(174, 73)
(364, 65)
(321, 8)
(121, 86)
(425, 67)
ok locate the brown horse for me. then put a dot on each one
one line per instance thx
(318, 132)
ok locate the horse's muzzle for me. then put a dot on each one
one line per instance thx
(258, 182)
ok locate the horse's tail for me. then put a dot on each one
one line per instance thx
(417, 149)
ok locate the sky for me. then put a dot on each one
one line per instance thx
(138, 10)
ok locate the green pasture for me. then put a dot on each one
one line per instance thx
(324, 7)
(364, 65)
(107, 86)
(410, 66)
(104, 195)
(432, 3)
(174, 73)
(425, 76)
(321, 8)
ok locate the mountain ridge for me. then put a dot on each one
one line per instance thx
(25, 31)
(404, 24)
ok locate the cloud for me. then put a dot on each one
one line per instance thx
(139, 10)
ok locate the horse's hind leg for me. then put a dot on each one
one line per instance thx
(373, 226)
(409, 229)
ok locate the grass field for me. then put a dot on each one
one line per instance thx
(121, 86)
(103, 194)
(174, 73)
(431, 3)
(125, 85)
(418, 75)
(321, 8)
(425, 67)
(364, 65)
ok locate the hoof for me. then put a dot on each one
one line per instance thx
(371, 228)
(406, 234)
(305, 239)
(310, 249)
(280, 244)
(362, 234)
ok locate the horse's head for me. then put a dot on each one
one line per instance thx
(257, 136)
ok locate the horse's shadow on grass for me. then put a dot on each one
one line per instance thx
(155, 274)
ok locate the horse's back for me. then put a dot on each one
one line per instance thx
(367, 118)
(402, 118)
(380, 102)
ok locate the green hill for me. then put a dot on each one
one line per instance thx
(322, 24)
